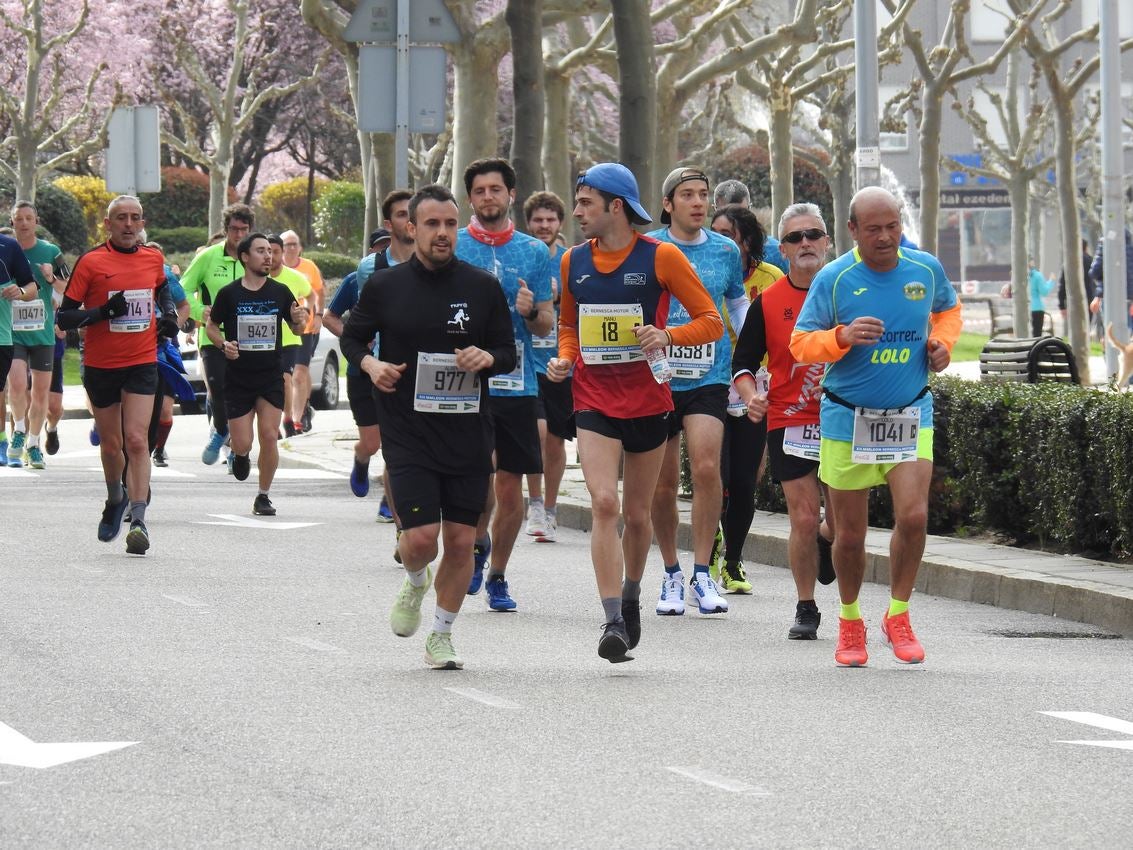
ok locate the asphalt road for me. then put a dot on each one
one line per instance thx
(250, 665)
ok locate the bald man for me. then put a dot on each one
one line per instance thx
(882, 317)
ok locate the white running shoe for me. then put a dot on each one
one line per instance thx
(549, 530)
(536, 519)
(707, 594)
(672, 600)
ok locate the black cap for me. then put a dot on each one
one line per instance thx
(379, 235)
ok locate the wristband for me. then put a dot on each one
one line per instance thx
(533, 314)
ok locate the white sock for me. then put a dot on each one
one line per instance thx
(19, 425)
(33, 441)
(50, 430)
(533, 501)
(418, 578)
(443, 620)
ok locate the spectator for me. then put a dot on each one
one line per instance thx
(1096, 274)
(1038, 288)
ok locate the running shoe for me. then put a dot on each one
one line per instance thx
(536, 519)
(479, 561)
(396, 547)
(733, 577)
(405, 616)
(384, 512)
(308, 416)
(614, 643)
(707, 595)
(33, 457)
(498, 597)
(550, 530)
(631, 616)
(137, 538)
(211, 453)
(672, 600)
(160, 458)
(826, 573)
(851, 651)
(230, 463)
(110, 526)
(716, 559)
(262, 506)
(360, 478)
(93, 436)
(439, 653)
(806, 622)
(241, 466)
(288, 428)
(898, 633)
(16, 449)
(3, 452)
(52, 444)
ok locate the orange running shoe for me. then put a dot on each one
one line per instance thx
(898, 633)
(850, 651)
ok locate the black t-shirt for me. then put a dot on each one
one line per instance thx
(416, 310)
(254, 319)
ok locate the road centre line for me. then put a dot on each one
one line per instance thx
(483, 697)
(723, 783)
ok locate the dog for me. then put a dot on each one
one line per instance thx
(1126, 351)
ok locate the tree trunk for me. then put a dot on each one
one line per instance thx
(219, 169)
(637, 72)
(780, 150)
(932, 104)
(525, 22)
(1020, 225)
(475, 129)
(556, 153)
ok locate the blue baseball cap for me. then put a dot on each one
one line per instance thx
(615, 178)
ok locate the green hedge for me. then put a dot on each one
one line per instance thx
(59, 214)
(178, 239)
(332, 265)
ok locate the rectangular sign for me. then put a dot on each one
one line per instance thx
(376, 21)
(377, 89)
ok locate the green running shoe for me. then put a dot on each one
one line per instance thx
(405, 617)
(716, 559)
(33, 457)
(439, 653)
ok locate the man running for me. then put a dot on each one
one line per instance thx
(17, 286)
(791, 406)
(882, 317)
(445, 328)
(293, 258)
(113, 292)
(523, 267)
(702, 377)
(615, 303)
(246, 324)
(300, 287)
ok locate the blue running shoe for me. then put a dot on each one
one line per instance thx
(360, 478)
(3, 452)
(498, 597)
(212, 449)
(479, 561)
(94, 438)
(110, 526)
(384, 512)
(16, 450)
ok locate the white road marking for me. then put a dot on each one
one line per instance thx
(295, 474)
(170, 472)
(723, 783)
(188, 601)
(21, 751)
(1100, 721)
(90, 570)
(15, 472)
(253, 522)
(317, 645)
(483, 697)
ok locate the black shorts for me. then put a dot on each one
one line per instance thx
(287, 357)
(38, 357)
(5, 363)
(785, 467)
(640, 434)
(57, 368)
(360, 392)
(424, 496)
(557, 407)
(240, 393)
(710, 400)
(515, 434)
(105, 386)
(306, 349)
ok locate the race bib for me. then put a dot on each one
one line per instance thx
(885, 436)
(513, 380)
(139, 312)
(29, 315)
(256, 333)
(736, 406)
(605, 333)
(802, 441)
(443, 387)
(551, 340)
(692, 361)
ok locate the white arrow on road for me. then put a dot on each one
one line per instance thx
(251, 522)
(21, 751)
(1101, 721)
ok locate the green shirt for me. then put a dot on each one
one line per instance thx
(300, 287)
(41, 252)
(210, 271)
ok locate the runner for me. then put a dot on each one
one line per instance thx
(246, 323)
(790, 409)
(300, 287)
(301, 411)
(445, 327)
(16, 287)
(159, 429)
(615, 303)
(702, 378)
(120, 358)
(522, 265)
(881, 317)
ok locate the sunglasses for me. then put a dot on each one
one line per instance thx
(797, 236)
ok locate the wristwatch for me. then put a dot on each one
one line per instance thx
(533, 315)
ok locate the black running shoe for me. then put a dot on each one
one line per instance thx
(110, 526)
(826, 573)
(160, 458)
(137, 539)
(806, 622)
(308, 415)
(262, 506)
(241, 466)
(614, 643)
(631, 614)
(52, 444)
